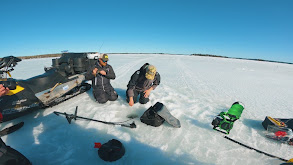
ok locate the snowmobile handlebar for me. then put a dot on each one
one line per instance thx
(7, 64)
(9, 61)
(10, 84)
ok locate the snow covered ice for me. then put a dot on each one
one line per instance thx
(194, 89)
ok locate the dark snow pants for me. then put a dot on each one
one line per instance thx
(102, 96)
(142, 99)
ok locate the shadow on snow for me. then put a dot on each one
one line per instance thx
(51, 140)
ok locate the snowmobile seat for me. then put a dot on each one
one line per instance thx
(44, 81)
(68, 65)
(79, 65)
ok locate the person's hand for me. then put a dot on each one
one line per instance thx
(95, 71)
(131, 102)
(147, 92)
(103, 72)
(3, 90)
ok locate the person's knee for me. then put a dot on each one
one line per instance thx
(144, 100)
(113, 97)
(100, 97)
(102, 100)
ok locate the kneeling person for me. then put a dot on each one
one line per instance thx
(101, 74)
(142, 82)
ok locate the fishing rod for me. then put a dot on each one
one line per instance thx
(101, 46)
(257, 150)
(74, 116)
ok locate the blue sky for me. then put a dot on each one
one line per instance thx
(235, 28)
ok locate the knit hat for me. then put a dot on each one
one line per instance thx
(151, 72)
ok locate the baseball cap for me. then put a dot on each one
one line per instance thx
(104, 57)
(151, 72)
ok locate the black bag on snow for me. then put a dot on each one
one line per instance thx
(111, 151)
(288, 123)
(151, 117)
(9, 156)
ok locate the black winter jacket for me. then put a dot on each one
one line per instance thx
(99, 81)
(140, 83)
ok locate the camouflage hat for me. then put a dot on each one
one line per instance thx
(104, 57)
(151, 72)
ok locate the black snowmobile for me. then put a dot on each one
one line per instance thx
(63, 80)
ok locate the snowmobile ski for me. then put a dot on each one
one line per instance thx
(11, 129)
(74, 116)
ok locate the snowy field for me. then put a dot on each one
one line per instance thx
(194, 89)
